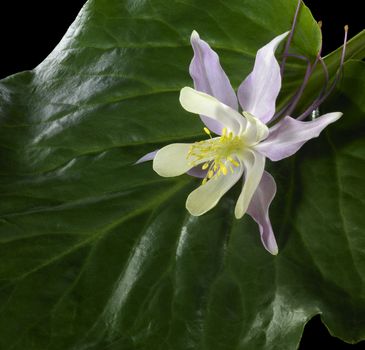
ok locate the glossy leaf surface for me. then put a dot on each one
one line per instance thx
(97, 253)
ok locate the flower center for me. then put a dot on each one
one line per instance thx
(216, 154)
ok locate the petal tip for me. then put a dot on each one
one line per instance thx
(194, 35)
(193, 210)
(155, 166)
(147, 157)
(333, 116)
(338, 115)
(158, 165)
(185, 89)
(271, 247)
(274, 252)
(281, 37)
(184, 94)
(238, 213)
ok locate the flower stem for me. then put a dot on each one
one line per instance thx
(290, 37)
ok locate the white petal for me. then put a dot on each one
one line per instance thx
(172, 160)
(254, 167)
(201, 103)
(255, 130)
(208, 195)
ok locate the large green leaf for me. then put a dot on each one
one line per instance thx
(97, 253)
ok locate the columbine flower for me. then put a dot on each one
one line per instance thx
(244, 141)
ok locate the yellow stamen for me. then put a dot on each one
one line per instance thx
(207, 131)
(216, 155)
(234, 162)
(224, 169)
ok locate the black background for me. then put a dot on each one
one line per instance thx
(29, 30)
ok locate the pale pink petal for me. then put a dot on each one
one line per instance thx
(209, 77)
(258, 92)
(146, 157)
(259, 211)
(288, 135)
(197, 171)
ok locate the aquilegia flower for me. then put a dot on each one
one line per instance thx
(243, 140)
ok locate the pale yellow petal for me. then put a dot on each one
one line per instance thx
(201, 103)
(172, 160)
(255, 130)
(254, 164)
(208, 195)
